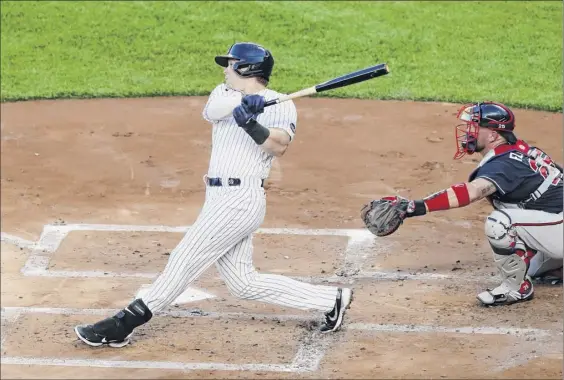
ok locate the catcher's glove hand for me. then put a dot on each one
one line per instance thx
(384, 216)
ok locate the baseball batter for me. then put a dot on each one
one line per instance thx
(523, 185)
(246, 137)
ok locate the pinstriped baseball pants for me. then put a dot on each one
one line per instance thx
(222, 234)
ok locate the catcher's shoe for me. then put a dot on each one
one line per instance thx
(547, 280)
(552, 277)
(505, 295)
(334, 318)
(115, 331)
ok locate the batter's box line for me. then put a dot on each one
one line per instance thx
(379, 276)
(53, 235)
(12, 312)
(307, 359)
(359, 241)
(138, 364)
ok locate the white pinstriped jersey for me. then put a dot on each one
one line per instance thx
(222, 233)
(234, 153)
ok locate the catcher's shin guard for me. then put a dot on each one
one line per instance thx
(512, 258)
(516, 285)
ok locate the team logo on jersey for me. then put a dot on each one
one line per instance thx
(293, 127)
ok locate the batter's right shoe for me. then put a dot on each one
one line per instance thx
(115, 331)
(334, 318)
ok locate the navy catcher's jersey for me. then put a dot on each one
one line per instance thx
(518, 175)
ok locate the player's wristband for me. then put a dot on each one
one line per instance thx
(418, 209)
(462, 194)
(257, 132)
(437, 201)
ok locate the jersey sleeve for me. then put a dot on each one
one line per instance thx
(503, 173)
(221, 97)
(283, 116)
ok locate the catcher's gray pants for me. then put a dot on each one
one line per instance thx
(222, 234)
(541, 231)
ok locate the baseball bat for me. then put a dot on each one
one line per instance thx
(342, 81)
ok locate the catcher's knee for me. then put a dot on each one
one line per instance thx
(501, 233)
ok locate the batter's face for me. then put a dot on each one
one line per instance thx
(232, 79)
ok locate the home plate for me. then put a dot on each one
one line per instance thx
(189, 295)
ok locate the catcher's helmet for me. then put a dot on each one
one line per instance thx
(490, 115)
(252, 60)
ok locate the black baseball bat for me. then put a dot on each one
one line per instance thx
(342, 81)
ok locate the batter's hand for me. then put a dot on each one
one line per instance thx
(242, 115)
(254, 103)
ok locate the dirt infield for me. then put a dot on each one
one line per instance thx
(95, 194)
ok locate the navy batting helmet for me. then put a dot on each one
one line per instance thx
(252, 60)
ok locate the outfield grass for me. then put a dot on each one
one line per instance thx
(447, 51)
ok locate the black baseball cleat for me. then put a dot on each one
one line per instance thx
(102, 333)
(115, 331)
(334, 319)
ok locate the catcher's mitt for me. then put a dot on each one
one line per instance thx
(384, 216)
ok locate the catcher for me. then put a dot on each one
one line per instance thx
(523, 185)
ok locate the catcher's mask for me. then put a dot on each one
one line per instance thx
(252, 60)
(490, 115)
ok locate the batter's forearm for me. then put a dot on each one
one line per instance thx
(221, 107)
(277, 142)
(273, 141)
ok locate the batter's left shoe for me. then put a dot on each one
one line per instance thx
(115, 331)
(334, 319)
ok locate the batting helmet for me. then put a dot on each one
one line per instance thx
(490, 115)
(252, 60)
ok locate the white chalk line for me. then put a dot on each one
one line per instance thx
(311, 351)
(350, 279)
(138, 364)
(8, 318)
(516, 356)
(356, 252)
(307, 358)
(515, 331)
(309, 354)
(359, 242)
(17, 241)
(181, 313)
(39, 272)
(53, 235)
(66, 228)
(545, 341)
(487, 330)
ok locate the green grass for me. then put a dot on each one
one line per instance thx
(445, 51)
